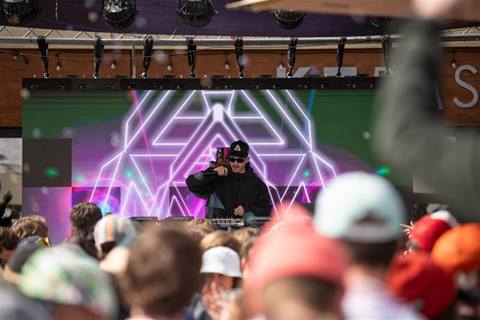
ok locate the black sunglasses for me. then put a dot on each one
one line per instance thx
(239, 160)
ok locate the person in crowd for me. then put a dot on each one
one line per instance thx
(409, 133)
(427, 286)
(162, 274)
(295, 273)
(423, 234)
(244, 234)
(5, 219)
(24, 251)
(83, 218)
(110, 231)
(70, 281)
(220, 238)
(33, 225)
(202, 226)
(458, 251)
(232, 191)
(220, 275)
(15, 305)
(365, 212)
(8, 243)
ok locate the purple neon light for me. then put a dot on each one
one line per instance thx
(185, 156)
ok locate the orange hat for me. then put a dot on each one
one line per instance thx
(458, 249)
(417, 279)
(293, 248)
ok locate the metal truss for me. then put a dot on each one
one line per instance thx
(16, 36)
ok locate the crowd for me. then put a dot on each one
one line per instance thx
(353, 259)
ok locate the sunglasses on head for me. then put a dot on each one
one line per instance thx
(239, 160)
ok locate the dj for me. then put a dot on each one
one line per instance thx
(233, 190)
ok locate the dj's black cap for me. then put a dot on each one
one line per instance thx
(238, 149)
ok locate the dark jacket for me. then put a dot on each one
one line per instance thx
(224, 194)
(410, 135)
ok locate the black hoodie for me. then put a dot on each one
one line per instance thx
(225, 193)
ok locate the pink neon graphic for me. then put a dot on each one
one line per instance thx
(287, 159)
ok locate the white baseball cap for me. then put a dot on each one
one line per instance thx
(354, 197)
(221, 260)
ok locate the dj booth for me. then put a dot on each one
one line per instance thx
(221, 223)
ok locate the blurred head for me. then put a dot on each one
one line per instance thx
(293, 270)
(424, 233)
(15, 265)
(238, 156)
(110, 231)
(299, 297)
(365, 211)
(418, 280)
(8, 243)
(162, 285)
(202, 226)
(84, 217)
(71, 281)
(33, 225)
(219, 238)
(220, 267)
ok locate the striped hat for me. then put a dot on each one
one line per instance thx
(113, 228)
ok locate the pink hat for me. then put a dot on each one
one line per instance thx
(292, 247)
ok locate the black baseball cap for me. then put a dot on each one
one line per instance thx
(238, 149)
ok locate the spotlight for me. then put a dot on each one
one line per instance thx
(227, 64)
(98, 53)
(147, 55)
(454, 61)
(340, 50)
(292, 50)
(119, 13)
(18, 11)
(43, 48)
(288, 19)
(196, 13)
(387, 49)
(239, 56)
(58, 67)
(192, 54)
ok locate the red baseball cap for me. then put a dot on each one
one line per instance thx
(417, 279)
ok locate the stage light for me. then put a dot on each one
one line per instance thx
(18, 11)
(119, 13)
(227, 64)
(454, 61)
(288, 19)
(239, 55)
(192, 54)
(196, 13)
(387, 50)
(98, 53)
(58, 67)
(43, 48)
(292, 50)
(340, 51)
(147, 55)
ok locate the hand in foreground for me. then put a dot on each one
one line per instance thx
(239, 211)
(437, 9)
(221, 171)
(7, 196)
